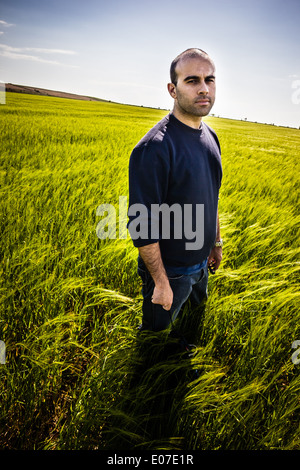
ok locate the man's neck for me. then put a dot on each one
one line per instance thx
(187, 119)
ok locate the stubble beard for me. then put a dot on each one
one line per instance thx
(191, 109)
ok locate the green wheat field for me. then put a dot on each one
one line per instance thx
(77, 375)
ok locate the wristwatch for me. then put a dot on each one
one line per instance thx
(219, 242)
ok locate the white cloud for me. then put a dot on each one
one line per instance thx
(5, 24)
(35, 49)
(31, 53)
(20, 53)
(41, 50)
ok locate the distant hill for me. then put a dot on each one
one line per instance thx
(44, 92)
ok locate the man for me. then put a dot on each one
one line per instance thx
(177, 166)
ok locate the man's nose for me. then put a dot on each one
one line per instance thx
(203, 88)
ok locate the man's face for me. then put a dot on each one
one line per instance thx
(194, 93)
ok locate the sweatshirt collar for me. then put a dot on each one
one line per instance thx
(185, 127)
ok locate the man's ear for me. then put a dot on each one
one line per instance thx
(172, 90)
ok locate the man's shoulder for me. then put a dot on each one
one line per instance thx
(157, 135)
(210, 131)
(153, 150)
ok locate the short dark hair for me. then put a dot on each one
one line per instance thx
(191, 53)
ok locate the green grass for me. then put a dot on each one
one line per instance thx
(76, 376)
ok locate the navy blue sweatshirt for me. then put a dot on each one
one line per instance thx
(175, 173)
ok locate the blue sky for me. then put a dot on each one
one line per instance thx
(122, 50)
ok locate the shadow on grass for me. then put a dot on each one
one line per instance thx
(147, 415)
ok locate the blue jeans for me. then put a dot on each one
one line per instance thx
(184, 287)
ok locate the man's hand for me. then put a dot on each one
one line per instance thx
(215, 257)
(163, 295)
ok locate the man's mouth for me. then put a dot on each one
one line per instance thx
(204, 101)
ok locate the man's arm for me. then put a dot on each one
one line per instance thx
(162, 294)
(216, 253)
